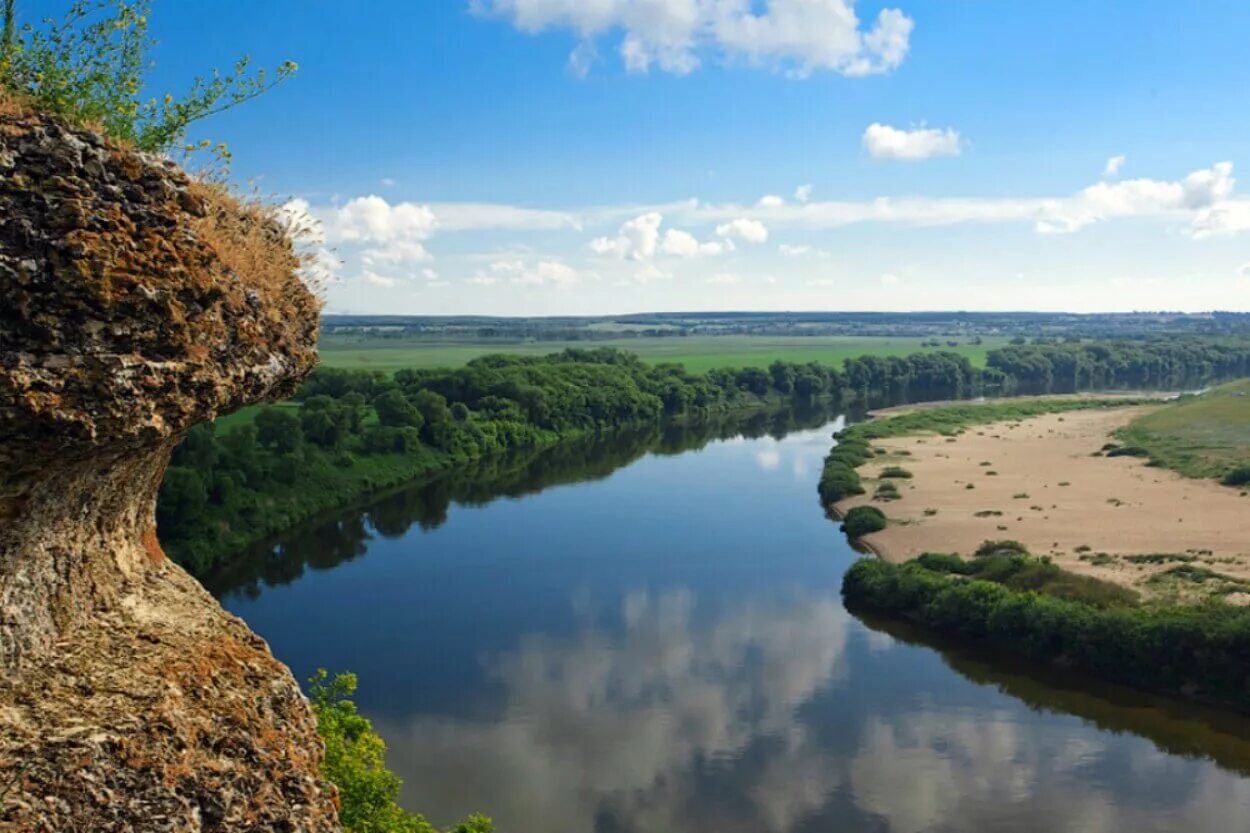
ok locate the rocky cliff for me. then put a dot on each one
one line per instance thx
(134, 303)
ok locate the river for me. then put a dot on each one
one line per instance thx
(645, 635)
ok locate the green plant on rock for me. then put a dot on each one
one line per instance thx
(89, 67)
(355, 762)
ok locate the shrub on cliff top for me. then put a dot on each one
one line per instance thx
(89, 67)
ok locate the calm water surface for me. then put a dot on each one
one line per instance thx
(626, 636)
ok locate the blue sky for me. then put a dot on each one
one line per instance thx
(606, 156)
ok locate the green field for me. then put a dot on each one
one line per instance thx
(697, 353)
(1199, 436)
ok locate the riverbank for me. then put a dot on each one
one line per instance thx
(1045, 482)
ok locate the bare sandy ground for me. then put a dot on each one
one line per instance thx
(1055, 498)
(1049, 397)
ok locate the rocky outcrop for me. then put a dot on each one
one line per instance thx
(134, 303)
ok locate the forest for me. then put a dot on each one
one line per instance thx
(352, 433)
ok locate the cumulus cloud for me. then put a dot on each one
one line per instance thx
(771, 201)
(1113, 166)
(746, 230)
(636, 240)
(890, 279)
(803, 193)
(640, 239)
(1204, 190)
(885, 142)
(797, 36)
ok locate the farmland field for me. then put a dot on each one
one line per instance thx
(697, 353)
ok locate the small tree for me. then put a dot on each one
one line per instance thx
(90, 65)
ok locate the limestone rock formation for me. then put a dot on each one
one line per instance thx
(134, 303)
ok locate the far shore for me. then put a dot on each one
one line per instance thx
(1041, 481)
(899, 410)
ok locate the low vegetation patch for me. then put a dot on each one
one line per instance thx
(896, 472)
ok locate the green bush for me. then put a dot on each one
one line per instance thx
(862, 520)
(896, 472)
(1006, 547)
(1239, 476)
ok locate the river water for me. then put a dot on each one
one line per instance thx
(645, 635)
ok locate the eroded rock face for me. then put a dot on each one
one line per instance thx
(133, 305)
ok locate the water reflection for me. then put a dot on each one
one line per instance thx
(665, 650)
(780, 715)
(629, 722)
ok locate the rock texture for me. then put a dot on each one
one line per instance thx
(134, 303)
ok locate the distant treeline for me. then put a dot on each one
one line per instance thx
(1066, 368)
(350, 433)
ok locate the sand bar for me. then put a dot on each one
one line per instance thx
(1056, 498)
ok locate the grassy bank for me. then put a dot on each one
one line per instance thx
(1204, 436)
(1037, 612)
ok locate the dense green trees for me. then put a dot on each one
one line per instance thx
(351, 432)
(1040, 613)
(1159, 364)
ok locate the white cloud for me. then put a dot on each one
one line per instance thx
(533, 274)
(1202, 199)
(724, 279)
(771, 201)
(372, 219)
(649, 273)
(890, 279)
(1113, 166)
(678, 243)
(636, 240)
(429, 274)
(798, 36)
(396, 252)
(803, 251)
(1204, 190)
(803, 193)
(747, 230)
(387, 182)
(483, 280)
(1231, 217)
(885, 142)
(378, 280)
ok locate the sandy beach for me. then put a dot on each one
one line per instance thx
(1037, 481)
